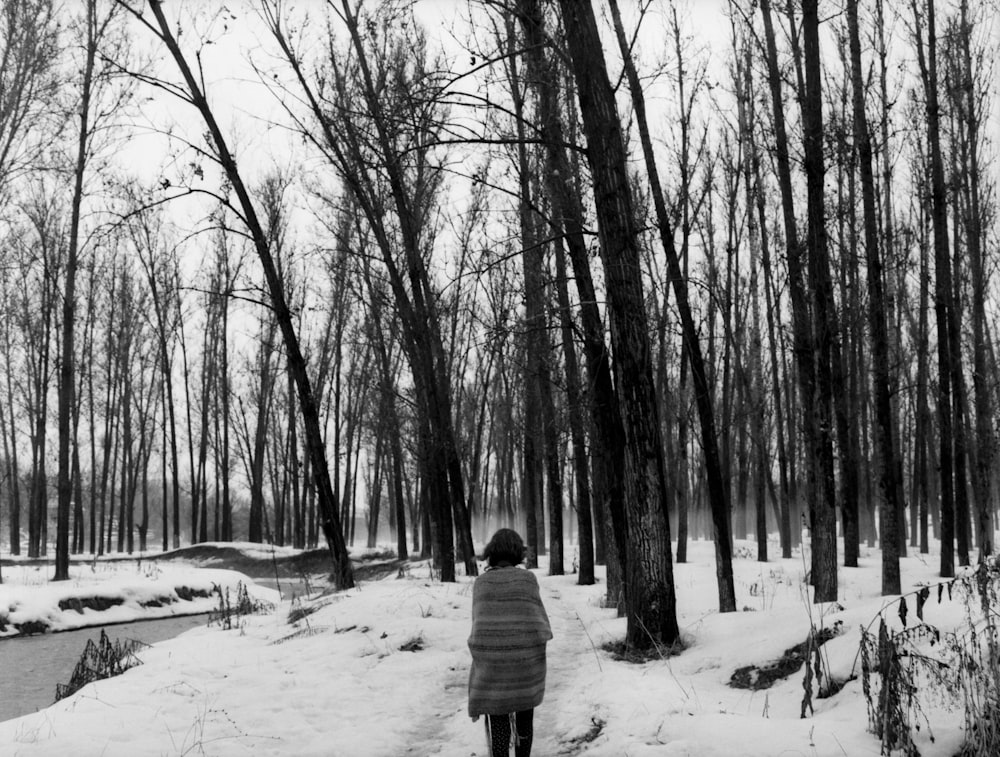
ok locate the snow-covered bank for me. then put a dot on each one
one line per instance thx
(101, 593)
(381, 671)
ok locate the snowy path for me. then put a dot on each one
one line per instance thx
(564, 723)
(564, 718)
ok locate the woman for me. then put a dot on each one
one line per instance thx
(509, 633)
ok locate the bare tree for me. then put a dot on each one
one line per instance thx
(801, 328)
(713, 464)
(192, 92)
(562, 182)
(101, 98)
(263, 371)
(28, 52)
(758, 237)
(160, 268)
(885, 424)
(396, 202)
(11, 468)
(541, 455)
(389, 414)
(93, 31)
(824, 527)
(943, 289)
(650, 598)
(111, 401)
(969, 93)
(37, 298)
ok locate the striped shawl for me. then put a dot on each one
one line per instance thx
(509, 633)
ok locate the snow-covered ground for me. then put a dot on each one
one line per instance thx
(381, 671)
(101, 592)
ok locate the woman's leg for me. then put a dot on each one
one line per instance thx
(525, 732)
(499, 734)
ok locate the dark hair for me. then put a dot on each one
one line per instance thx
(505, 546)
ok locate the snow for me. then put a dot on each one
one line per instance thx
(381, 670)
(146, 591)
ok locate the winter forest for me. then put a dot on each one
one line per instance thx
(619, 274)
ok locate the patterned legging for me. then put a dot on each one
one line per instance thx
(499, 728)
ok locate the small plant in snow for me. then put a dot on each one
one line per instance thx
(235, 609)
(415, 644)
(817, 665)
(960, 667)
(304, 577)
(105, 659)
(300, 611)
(151, 570)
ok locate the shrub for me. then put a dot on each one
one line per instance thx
(105, 659)
(243, 605)
(961, 666)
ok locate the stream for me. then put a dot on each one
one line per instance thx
(32, 666)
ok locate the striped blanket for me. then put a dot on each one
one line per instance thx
(509, 633)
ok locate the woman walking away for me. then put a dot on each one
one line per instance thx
(509, 633)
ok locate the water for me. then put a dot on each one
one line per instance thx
(30, 667)
(291, 587)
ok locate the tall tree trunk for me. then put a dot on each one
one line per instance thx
(805, 358)
(8, 471)
(577, 424)
(650, 598)
(824, 526)
(223, 389)
(942, 286)
(877, 323)
(703, 394)
(262, 425)
(607, 444)
(963, 450)
(552, 460)
(67, 374)
(540, 418)
(14, 480)
(110, 415)
(770, 299)
(124, 504)
(979, 278)
(38, 512)
(373, 486)
(392, 420)
(889, 253)
(188, 408)
(848, 351)
(533, 454)
(199, 515)
(164, 451)
(112, 483)
(757, 233)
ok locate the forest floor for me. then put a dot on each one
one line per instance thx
(381, 670)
